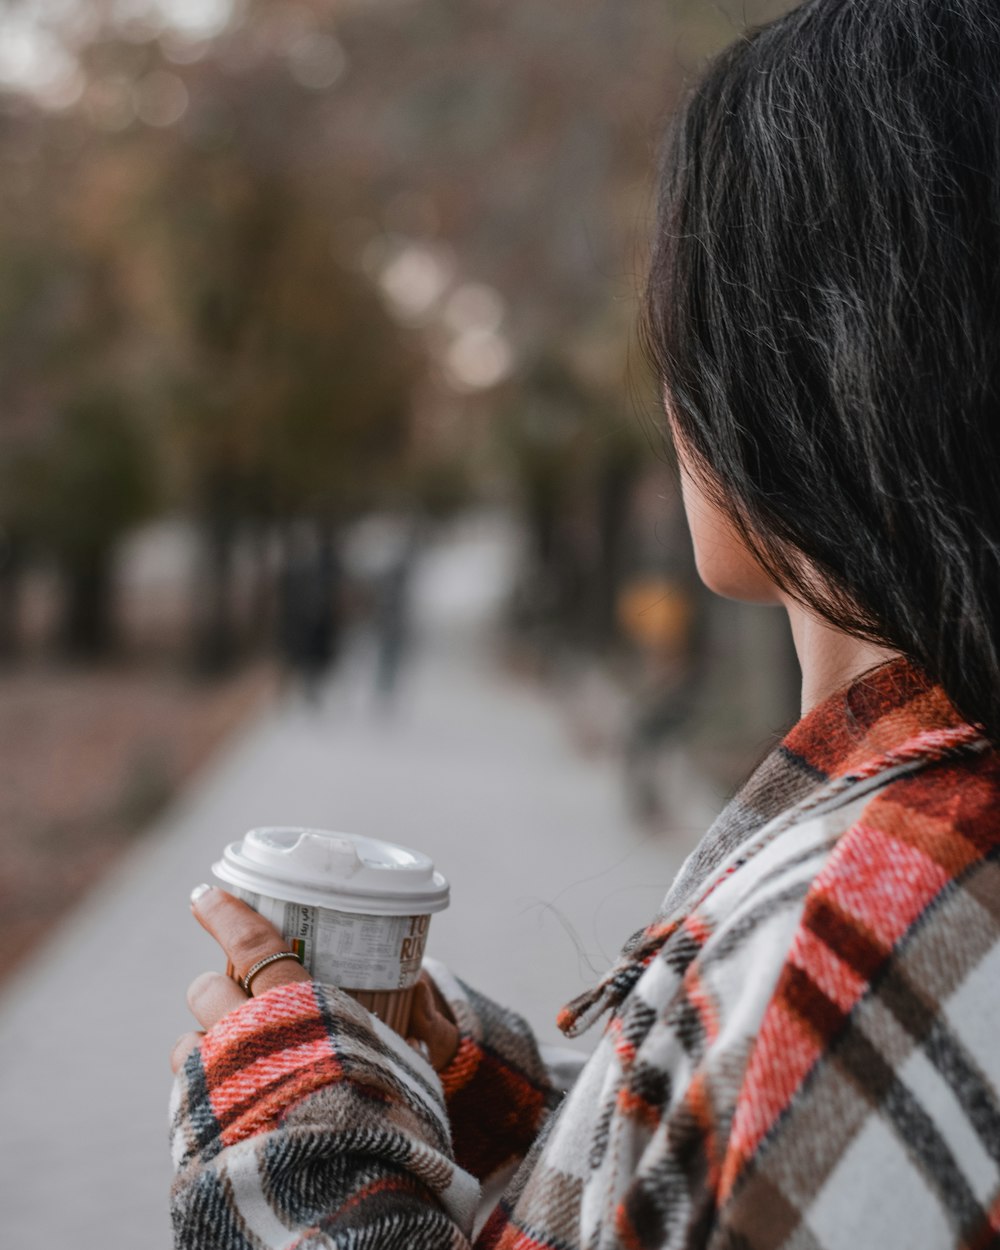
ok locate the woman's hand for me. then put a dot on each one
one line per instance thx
(246, 938)
(432, 1027)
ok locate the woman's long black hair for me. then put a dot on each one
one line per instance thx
(823, 309)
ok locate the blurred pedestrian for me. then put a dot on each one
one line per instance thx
(393, 612)
(309, 595)
(659, 616)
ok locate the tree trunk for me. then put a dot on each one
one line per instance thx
(87, 630)
(262, 609)
(11, 585)
(215, 636)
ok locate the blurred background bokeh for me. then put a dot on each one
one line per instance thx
(323, 417)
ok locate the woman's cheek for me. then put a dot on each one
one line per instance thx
(725, 563)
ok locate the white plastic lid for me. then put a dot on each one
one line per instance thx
(341, 871)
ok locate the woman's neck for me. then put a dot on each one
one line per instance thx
(829, 658)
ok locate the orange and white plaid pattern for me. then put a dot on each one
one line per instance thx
(800, 1050)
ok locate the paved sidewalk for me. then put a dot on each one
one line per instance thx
(475, 768)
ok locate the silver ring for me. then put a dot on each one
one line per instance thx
(247, 980)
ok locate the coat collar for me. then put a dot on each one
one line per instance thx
(890, 716)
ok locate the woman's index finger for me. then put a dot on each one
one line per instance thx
(243, 935)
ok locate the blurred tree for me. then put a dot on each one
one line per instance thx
(291, 383)
(76, 463)
(202, 224)
(16, 532)
(92, 482)
(575, 456)
(442, 488)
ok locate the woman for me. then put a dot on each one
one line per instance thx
(801, 1047)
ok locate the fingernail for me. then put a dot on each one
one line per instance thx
(198, 891)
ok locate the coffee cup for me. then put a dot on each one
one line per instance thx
(355, 910)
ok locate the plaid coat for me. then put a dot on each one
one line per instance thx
(800, 1052)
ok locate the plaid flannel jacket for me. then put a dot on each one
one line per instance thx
(802, 1050)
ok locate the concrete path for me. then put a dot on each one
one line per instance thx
(473, 767)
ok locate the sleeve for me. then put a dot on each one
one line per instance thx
(498, 1090)
(301, 1121)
